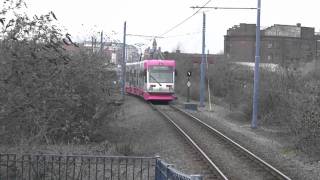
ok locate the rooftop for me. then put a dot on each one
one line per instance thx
(279, 30)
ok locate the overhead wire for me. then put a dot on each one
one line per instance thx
(186, 34)
(145, 36)
(150, 38)
(185, 20)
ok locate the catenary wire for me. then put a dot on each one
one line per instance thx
(185, 20)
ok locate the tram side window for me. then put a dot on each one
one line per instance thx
(145, 76)
(128, 77)
(140, 78)
(132, 77)
(137, 78)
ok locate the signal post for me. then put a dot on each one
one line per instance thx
(188, 105)
(188, 85)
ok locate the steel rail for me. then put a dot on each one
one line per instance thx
(193, 143)
(270, 168)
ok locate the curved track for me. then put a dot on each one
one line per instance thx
(226, 158)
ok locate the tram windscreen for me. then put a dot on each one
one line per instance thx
(161, 74)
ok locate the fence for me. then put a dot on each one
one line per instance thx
(165, 171)
(52, 167)
(82, 167)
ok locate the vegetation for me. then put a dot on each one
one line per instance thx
(289, 96)
(47, 93)
(288, 99)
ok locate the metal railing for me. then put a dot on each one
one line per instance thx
(52, 167)
(84, 167)
(166, 171)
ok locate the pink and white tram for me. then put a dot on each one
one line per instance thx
(151, 79)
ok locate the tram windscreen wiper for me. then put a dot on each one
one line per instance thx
(155, 79)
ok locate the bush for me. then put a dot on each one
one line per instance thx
(289, 100)
(47, 93)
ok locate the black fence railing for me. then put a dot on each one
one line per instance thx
(165, 171)
(59, 167)
(84, 167)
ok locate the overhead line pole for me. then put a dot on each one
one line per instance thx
(123, 79)
(256, 71)
(92, 44)
(202, 69)
(209, 90)
(257, 60)
(101, 42)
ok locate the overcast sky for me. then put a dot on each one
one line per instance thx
(154, 17)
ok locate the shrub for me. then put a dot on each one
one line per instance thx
(47, 93)
(288, 100)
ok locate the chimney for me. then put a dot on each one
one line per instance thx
(298, 24)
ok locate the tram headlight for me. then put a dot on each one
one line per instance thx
(170, 88)
(151, 87)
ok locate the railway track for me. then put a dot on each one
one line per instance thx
(224, 157)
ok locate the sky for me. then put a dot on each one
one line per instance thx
(82, 19)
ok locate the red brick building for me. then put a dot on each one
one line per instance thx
(279, 43)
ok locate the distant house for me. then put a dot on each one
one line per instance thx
(113, 50)
(279, 43)
(132, 53)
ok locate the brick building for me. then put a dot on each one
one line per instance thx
(279, 43)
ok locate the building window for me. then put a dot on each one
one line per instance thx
(269, 45)
(270, 57)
